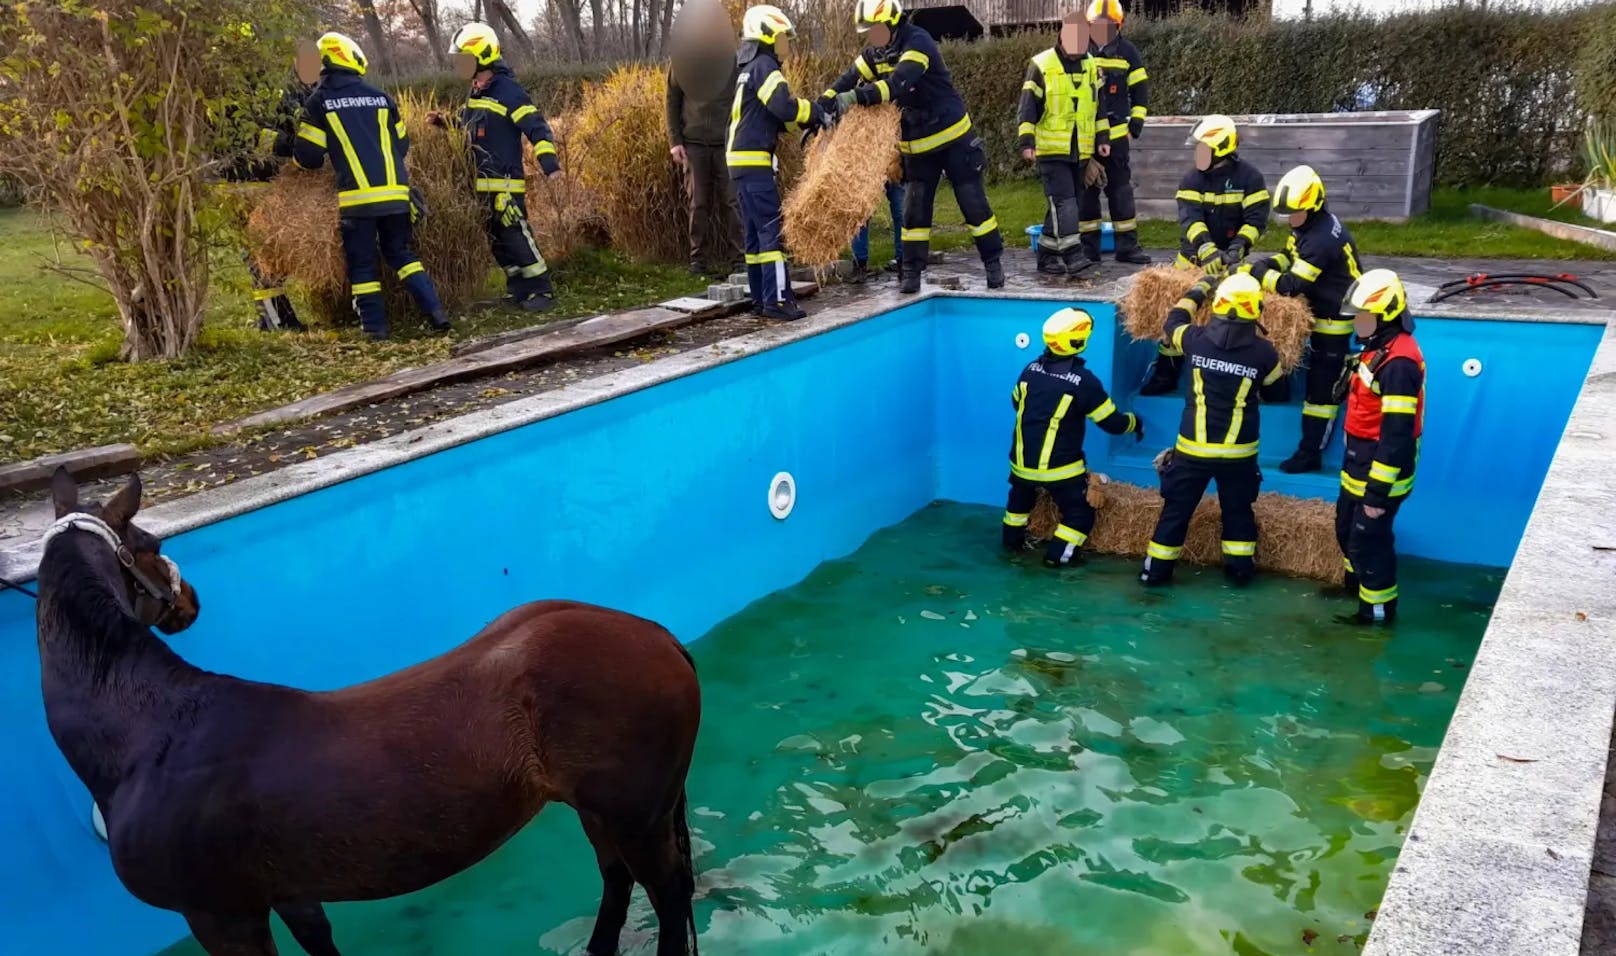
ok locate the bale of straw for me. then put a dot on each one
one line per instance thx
(1296, 536)
(292, 231)
(640, 193)
(562, 211)
(842, 186)
(1287, 321)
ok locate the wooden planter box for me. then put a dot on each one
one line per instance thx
(1374, 165)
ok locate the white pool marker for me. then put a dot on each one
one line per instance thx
(782, 495)
(1023, 340)
(1472, 367)
(98, 821)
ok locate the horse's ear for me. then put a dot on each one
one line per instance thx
(121, 509)
(64, 492)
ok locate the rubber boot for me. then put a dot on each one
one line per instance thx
(1050, 265)
(1128, 249)
(1077, 263)
(1309, 453)
(782, 312)
(439, 321)
(1157, 574)
(1370, 615)
(1059, 554)
(909, 279)
(1163, 375)
(861, 273)
(1239, 571)
(1015, 539)
(995, 273)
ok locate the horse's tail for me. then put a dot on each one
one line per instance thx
(681, 836)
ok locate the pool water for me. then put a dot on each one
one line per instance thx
(931, 748)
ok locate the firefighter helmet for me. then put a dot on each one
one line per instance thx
(1300, 190)
(764, 24)
(1106, 10)
(479, 40)
(1066, 333)
(340, 51)
(1218, 133)
(1380, 293)
(868, 13)
(1238, 298)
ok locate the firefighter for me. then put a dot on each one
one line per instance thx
(1222, 212)
(1054, 395)
(1385, 418)
(762, 109)
(1059, 103)
(1124, 103)
(252, 170)
(1320, 263)
(359, 126)
(1232, 371)
(902, 65)
(497, 116)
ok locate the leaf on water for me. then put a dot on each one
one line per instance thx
(931, 616)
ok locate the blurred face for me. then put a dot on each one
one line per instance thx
(880, 35)
(1103, 31)
(782, 47)
(1365, 323)
(1074, 36)
(1296, 219)
(1203, 157)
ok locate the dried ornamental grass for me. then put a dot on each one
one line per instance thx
(844, 183)
(1287, 320)
(1296, 536)
(621, 127)
(562, 211)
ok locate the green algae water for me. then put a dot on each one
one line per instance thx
(930, 748)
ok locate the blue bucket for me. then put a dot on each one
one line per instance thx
(1108, 239)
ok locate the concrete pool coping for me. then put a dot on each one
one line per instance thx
(1498, 857)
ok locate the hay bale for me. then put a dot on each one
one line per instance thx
(563, 212)
(293, 230)
(1296, 536)
(641, 194)
(842, 186)
(1286, 321)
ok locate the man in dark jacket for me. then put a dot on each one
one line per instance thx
(1124, 103)
(701, 88)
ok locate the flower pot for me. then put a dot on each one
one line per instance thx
(1600, 204)
(1566, 194)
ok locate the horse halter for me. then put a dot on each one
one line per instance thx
(165, 593)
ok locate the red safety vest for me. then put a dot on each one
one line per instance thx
(1363, 398)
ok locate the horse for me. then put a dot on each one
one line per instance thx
(227, 799)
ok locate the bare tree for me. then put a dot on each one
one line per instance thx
(432, 27)
(378, 37)
(512, 27)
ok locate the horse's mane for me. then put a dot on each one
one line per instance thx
(77, 598)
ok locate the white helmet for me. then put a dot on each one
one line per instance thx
(867, 13)
(1217, 132)
(764, 23)
(479, 40)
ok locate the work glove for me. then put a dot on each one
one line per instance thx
(509, 214)
(1203, 288)
(1136, 128)
(1215, 266)
(1094, 174)
(1138, 428)
(845, 101)
(1234, 255)
(418, 208)
(1209, 257)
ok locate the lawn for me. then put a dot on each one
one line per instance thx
(61, 388)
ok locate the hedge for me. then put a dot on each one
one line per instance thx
(1514, 88)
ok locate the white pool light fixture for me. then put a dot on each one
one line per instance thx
(1023, 340)
(1472, 367)
(782, 495)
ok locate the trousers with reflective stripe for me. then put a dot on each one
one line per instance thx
(515, 250)
(362, 238)
(1076, 516)
(962, 161)
(1184, 482)
(1369, 547)
(1118, 191)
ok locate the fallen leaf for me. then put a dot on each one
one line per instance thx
(1517, 759)
(1581, 616)
(1308, 936)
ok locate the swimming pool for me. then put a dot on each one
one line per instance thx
(655, 502)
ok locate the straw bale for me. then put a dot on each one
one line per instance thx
(842, 186)
(1286, 321)
(293, 230)
(640, 193)
(1296, 536)
(563, 212)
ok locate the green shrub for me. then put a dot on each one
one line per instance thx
(1596, 65)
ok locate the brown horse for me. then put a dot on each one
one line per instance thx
(225, 799)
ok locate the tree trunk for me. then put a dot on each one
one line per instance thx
(378, 38)
(501, 12)
(667, 25)
(431, 26)
(598, 22)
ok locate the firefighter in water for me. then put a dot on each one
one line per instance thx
(1059, 102)
(1054, 395)
(1319, 262)
(359, 126)
(497, 116)
(1385, 417)
(1222, 212)
(1232, 371)
(902, 65)
(764, 108)
(1124, 104)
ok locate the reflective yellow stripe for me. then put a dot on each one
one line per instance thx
(750, 158)
(1348, 562)
(1196, 231)
(1119, 132)
(1332, 326)
(487, 103)
(1021, 407)
(1253, 199)
(1070, 535)
(1274, 376)
(864, 68)
(523, 112)
(1320, 411)
(1034, 89)
(501, 185)
(885, 91)
(348, 151)
(992, 225)
(771, 83)
(1168, 350)
(1383, 472)
(804, 110)
(1306, 270)
(409, 269)
(916, 235)
(1239, 416)
(1399, 405)
(401, 131)
(764, 258)
(1204, 450)
(929, 143)
(259, 295)
(365, 197)
(1249, 233)
(387, 147)
(535, 270)
(1053, 431)
(885, 68)
(1106, 410)
(1136, 77)
(1049, 474)
(1178, 338)
(312, 133)
(1016, 520)
(1162, 552)
(1112, 63)
(1138, 113)
(1240, 549)
(1125, 225)
(1270, 280)
(1353, 486)
(1385, 596)
(366, 288)
(1026, 129)
(1179, 262)
(1188, 195)
(915, 56)
(1200, 405)
(829, 94)
(544, 148)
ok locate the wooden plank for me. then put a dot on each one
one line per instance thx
(592, 333)
(84, 464)
(1597, 238)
